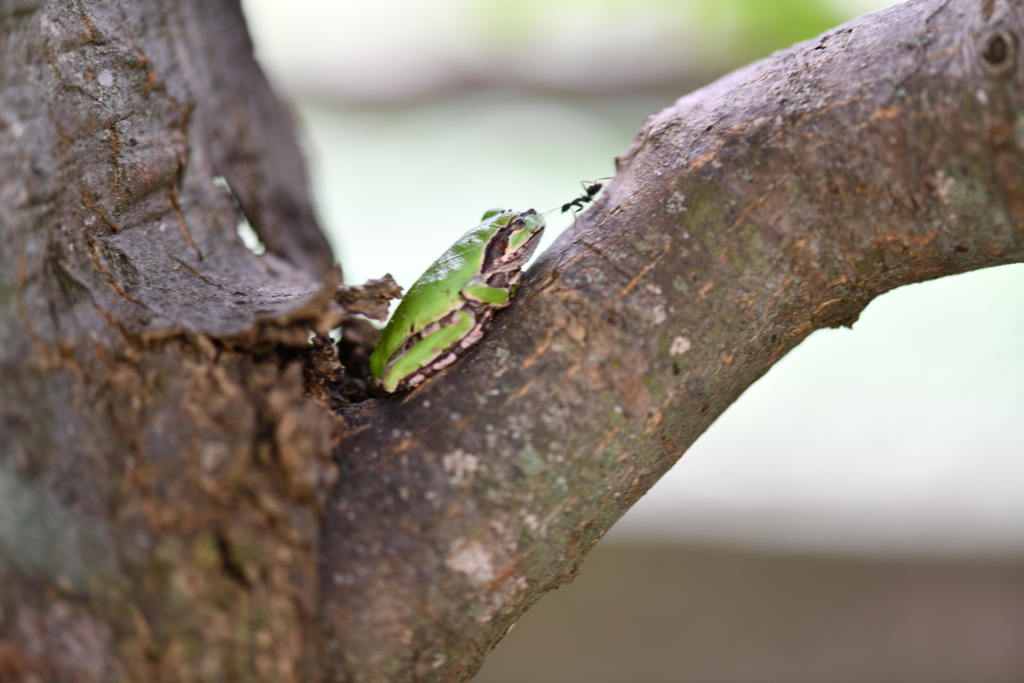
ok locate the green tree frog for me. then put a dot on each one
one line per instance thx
(446, 312)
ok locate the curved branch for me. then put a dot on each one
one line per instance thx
(779, 200)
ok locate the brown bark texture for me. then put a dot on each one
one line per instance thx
(186, 493)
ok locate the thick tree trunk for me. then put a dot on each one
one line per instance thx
(177, 499)
(162, 470)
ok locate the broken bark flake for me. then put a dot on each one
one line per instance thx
(371, 299)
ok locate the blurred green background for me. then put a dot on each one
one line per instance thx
(858, 515)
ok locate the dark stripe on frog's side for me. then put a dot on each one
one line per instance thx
(482, 315)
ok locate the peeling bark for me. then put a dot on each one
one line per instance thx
(185, 491)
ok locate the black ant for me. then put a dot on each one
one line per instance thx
(589, 192)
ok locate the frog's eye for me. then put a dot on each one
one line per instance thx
(525, 227)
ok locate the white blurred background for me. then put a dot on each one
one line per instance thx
(903, 434)
(900, 438)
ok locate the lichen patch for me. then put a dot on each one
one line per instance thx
(460, 466)
(472, 559)
(680, 345)
(942, 184)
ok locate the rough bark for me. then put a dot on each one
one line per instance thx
(161, 461)
(170, 508)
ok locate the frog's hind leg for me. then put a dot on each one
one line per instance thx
(429, 353)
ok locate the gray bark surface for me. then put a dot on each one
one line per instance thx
(161, 460)
(178, 498)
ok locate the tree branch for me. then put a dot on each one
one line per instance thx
(779, 200)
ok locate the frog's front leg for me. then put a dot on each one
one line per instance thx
(428, 354)
(479, 291)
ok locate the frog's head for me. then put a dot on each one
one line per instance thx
(527, 227)
(514, 242)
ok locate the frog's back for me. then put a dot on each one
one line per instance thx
(438, 292)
